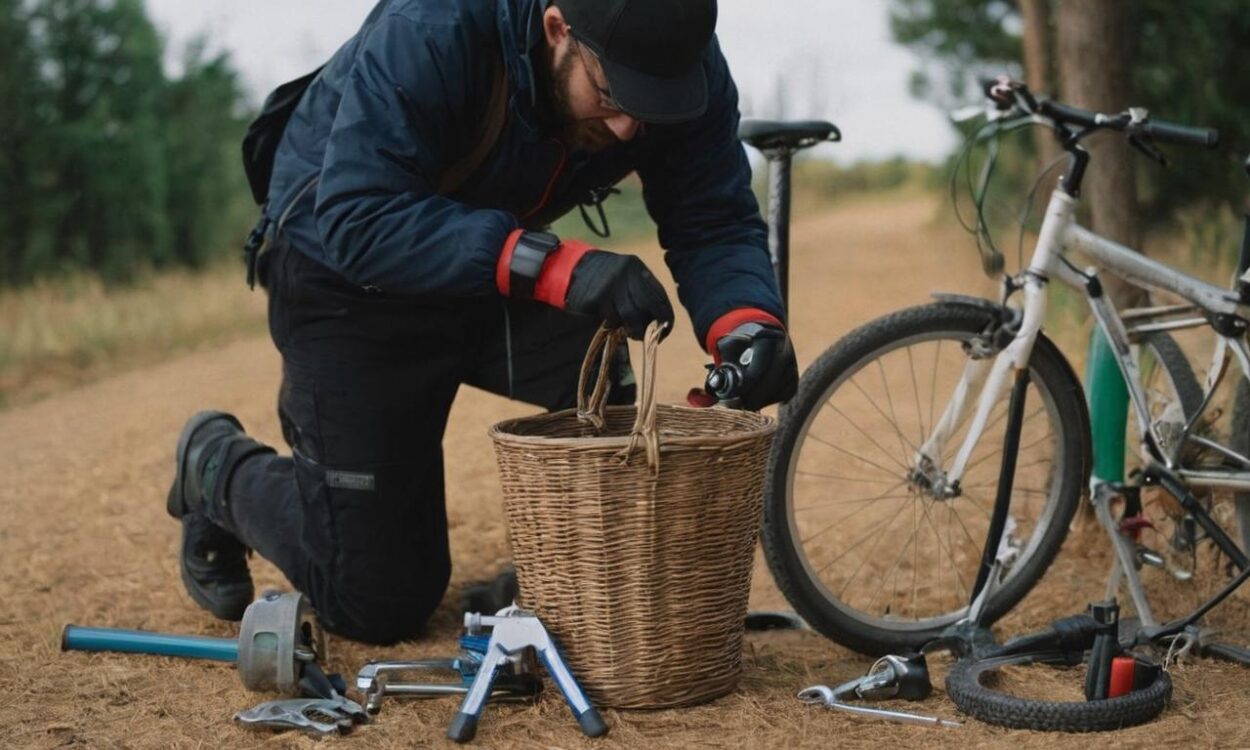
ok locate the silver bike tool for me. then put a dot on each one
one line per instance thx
(319, 716)
(379, 679)
(513, 631)
(891, 676)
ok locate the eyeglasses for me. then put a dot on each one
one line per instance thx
(606, 100)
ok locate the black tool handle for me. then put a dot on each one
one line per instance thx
(592, 723)
(1106, 648)
(462, 727)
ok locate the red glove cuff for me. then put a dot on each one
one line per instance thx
(552, 285)
(731, 320)
(503, 269)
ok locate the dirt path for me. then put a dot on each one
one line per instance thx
(84, 539)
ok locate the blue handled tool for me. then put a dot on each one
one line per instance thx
(277, 637)
(79, 638)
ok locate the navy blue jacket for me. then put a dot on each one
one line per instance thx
(358, 166)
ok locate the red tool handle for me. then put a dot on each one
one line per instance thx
(1122, 669)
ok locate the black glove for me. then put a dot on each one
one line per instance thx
(757, 367)
(619, 290)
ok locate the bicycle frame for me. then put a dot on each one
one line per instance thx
(1060, 235)
(1220, 309)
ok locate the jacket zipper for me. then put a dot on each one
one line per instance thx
(551, 184)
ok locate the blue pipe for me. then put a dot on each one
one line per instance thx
(78, 638)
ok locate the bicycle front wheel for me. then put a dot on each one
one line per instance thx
(857, 532)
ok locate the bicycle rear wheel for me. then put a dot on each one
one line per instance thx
(1180, 566)
(1240, 442)
(854, 534)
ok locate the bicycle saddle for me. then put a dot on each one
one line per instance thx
(800, 134)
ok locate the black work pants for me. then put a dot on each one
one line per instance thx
(355, 518)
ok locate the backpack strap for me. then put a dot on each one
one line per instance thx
(496, 115)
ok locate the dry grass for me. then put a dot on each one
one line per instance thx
(56, 334)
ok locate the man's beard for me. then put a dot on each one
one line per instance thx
(583, 135)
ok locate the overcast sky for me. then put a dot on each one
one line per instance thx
(834, 56)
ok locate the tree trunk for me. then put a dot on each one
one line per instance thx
(1037, 69)
(1095, 53)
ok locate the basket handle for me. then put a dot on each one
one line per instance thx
(603, 348)
(646, 428)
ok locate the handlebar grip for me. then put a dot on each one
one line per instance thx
(1069, 115)
(1190, 136)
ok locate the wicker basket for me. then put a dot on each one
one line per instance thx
(633, 530)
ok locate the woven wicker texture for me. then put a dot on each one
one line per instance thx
(633, 530)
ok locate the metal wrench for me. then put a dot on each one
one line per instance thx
(890, 676)
(832, 697)
(320, 716)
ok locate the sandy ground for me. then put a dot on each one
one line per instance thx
(84, 539)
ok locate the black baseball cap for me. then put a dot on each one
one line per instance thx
(651, 52)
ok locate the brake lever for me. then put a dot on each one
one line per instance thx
(1147, 148)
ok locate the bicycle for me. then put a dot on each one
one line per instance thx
(971, 491)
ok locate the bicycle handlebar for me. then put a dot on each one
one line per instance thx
(1070, 115)
(1005, 93)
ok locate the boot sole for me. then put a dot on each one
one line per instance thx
(229, 610)
(173, 503)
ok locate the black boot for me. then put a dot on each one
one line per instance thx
(213, 560)
(489, 597)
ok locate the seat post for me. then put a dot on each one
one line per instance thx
(779, 141)
(780, 160)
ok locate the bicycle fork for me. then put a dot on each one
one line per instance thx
(989, 376)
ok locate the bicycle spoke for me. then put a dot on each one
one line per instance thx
(964, 528)
(997, 415)
(915, 558)
(851, 502)
(851, 514)
(999, 450)
(861, 431)
(950, 514)
(915, 390)
(903, 442)
(800, 472)
(933, 382)
(856, 545)
(867, 557)
(857, 457)
(894, 568)
(975, 501)
(950, 555)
